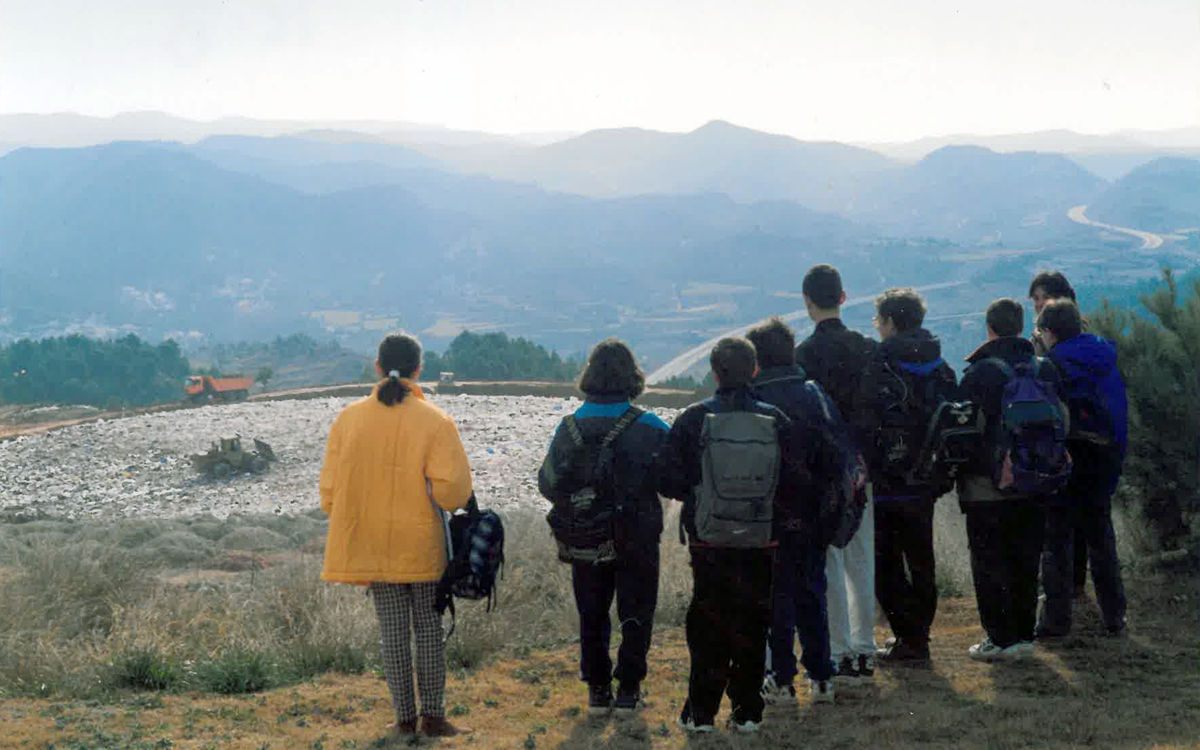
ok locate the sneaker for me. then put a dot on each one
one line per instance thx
(820, 691)
(629, 698)
(901, 652)
(985, 650)
(600, 699)
(689, 723)
(846, 671)
(866, 667)
(1120, 631)
(1019, 650)
(773, 692)
(744, 724)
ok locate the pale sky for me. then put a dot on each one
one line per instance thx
(848, 70)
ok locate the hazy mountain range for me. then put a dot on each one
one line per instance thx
(235, 232)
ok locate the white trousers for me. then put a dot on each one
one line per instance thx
(850, 576)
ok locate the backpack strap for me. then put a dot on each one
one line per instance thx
(630, 416)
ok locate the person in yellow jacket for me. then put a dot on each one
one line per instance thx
(393, 463)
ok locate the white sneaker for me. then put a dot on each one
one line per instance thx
(773, 693)
(985, 650)
(820, 691)
(1019, 650)
(745, 727)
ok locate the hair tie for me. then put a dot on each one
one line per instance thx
(394, 374)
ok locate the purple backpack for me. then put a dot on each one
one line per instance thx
(1032, 458)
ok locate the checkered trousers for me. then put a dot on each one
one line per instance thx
(405, 608)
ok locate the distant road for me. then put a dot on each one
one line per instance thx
(1150, 241)
(688, 359)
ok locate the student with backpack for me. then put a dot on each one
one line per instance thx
(835, 357)
(903, 385)
(724, 459)
(393, 463)
(1003, 493)
(1047, 286)
(1095, 393)
(798, 578)
(607, 519)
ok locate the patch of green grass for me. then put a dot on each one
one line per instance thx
(235, 671)
(143, 669)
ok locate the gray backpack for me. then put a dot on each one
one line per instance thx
(739, 471)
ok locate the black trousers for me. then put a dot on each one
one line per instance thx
(633, 579)
(1005, 537)
(1085, 501)
(904, 540)
(727, 630)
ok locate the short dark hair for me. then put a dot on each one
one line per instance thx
(904, 306)
(774, 343)
(823, 285)
(612, 370)
(1053, 284)
(733, 362)
(1062, 318)
(1006, 317)
(399, 353)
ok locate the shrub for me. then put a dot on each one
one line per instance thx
(1160, 361)
(143, 669)
(235, 671)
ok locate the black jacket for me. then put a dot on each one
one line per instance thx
(983, 383)
(679, 461)
(917, 352)
(640, 511)
(815, 420)
(836, 357)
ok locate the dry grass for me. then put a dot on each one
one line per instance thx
(73, 611)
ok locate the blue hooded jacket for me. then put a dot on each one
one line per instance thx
(1089, 356)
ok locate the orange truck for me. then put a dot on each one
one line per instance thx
(201, 388)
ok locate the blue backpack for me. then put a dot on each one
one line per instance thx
(1032, 456)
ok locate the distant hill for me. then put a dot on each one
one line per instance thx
(1162, 196)
(974, 195)
(744, 164)
(153, 238)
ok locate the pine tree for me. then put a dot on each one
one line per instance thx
(1160, 361)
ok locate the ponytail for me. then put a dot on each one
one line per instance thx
(392, 391)
(400, 357)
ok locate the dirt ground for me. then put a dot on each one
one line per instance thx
(1142, 691)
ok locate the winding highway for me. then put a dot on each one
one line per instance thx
(1150, 240)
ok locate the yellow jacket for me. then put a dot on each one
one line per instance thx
(385, 467)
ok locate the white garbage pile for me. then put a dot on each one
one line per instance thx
(141, 467)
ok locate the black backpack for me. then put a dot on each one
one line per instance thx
(475, 546)
(954, 438)
(905, 424)
(583, 525)
(844, 499)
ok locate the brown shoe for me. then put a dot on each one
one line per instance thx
(403, 728)
(437, 726)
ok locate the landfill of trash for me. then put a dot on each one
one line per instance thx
(141, 466)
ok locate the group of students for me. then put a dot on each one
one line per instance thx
(839, 391)
(790, 431)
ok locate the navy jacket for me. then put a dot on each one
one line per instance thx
(640, 511)
(1089, 356)
(679, 462)
(815, 422)
(917, 352)
(836, 357)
